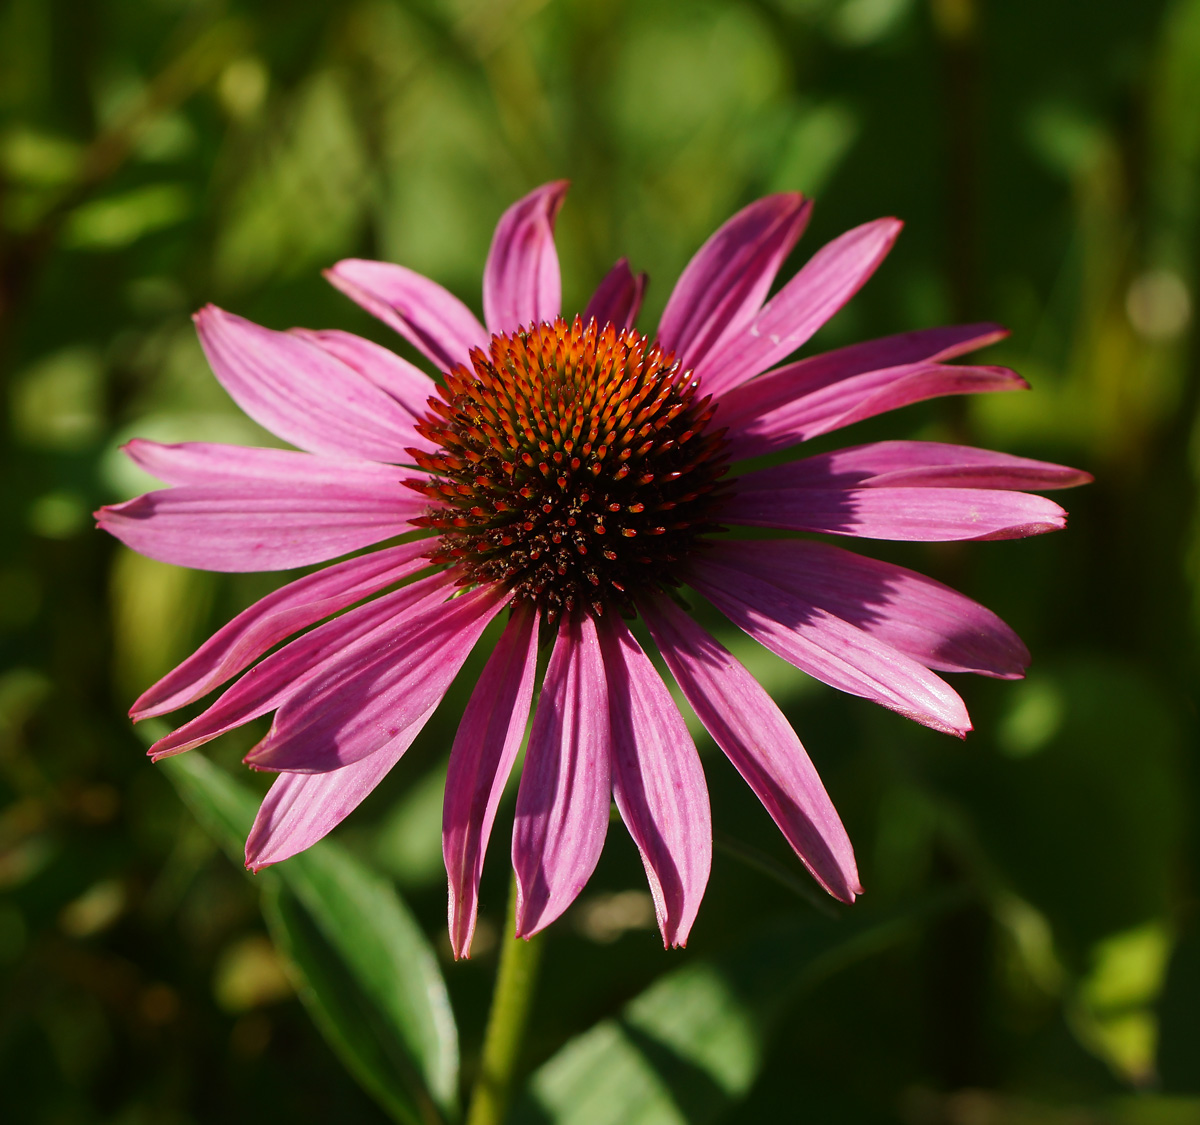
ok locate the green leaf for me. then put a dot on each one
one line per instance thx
(368, 976)
(692, 1044)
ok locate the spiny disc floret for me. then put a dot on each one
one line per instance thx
(574, 465)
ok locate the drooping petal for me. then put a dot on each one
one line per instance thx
(481, 759)
(724, 285)
(293, 667)
(378, 688)
(521, 281)
(825, 283)
(261, 526)
(658, 782)
(563, 800)
(935, 625)
(830, 649)
(763, 416)
(404, 382)
(918, 464)
(919, 515)
(745, 722)
(302, 808)
(429, 317)
(288, 610)
(300, 392)
(618, 298)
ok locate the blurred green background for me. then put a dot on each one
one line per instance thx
(1028, 950)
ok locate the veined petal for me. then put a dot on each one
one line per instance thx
(429, 317)
(521, 281)
(658, 782)
(301, 392)
(230, 527)
(935, 625)
(380, 687)
(563, 801)
(305, 660)
(481, 759)
(402, 381)
(777, 389)
(618, 298)
(919, 515)
(825, 283)
(255, 468)
(917, 464)
(758, 426)
(724, 285)
(745, 722)
(302, 808)
(288, 610)
(830, 649)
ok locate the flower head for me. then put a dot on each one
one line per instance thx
(570, 474)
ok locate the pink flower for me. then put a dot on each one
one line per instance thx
(573, 474)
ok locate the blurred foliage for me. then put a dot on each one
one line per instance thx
(1028, 950)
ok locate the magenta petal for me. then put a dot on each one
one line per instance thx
(764, 415)
(521, 282)
(301, 392)
(387, 683)
(402, 381)
(823, 285)
(828, 648)
(300, 809)
(658, 782)
(305, 660)
(745, 722)
(563, 801)
(618, 298)
(919, 515)
(724, 285)
(747, 406)
(429, 317)
(278, 615)
(264, 526)
(918, 464)
(930, 622)
(481, 759)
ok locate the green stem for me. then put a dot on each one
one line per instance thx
(516, 978)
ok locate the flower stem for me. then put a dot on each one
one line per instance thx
(516, 978)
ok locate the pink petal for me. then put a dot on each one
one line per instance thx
(826, 282)
(489, 736)
(745, 722)
(305, 660)
(255, 468)
(402, 381)
(300, 392)
(302, 808)
(918, 464)
(658, 782)
(724, 285)
(261, 526)
(921, 515)
(828, 648)
(780, 387)
(618, 298)
(288, 610)
(383, 685)
(840, 404)
(429, 317)
(521, 282)
(563, 801)
(935, 625)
